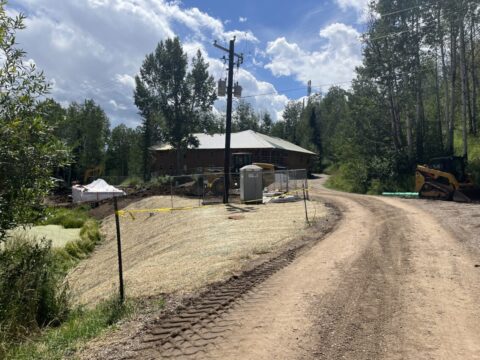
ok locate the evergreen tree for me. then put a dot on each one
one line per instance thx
(168, 95)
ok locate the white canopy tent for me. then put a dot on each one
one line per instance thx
(96, 191)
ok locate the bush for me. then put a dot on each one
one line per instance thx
(32, 293)
(68, 218)
(349, 177)
(79, 249)
(160, 181)
(132, 181)
(473, 168)
(81, 325)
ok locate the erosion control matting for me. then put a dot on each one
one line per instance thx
(196, 325)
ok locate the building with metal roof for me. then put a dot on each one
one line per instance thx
(211, 149)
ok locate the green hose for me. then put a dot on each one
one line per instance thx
(413, 195)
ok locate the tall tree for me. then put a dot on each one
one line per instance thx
(29, 149)
(166, 90)
(245, 118)
(291, 117)
(267, 123)
(86, 130)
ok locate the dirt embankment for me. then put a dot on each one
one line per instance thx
(391, 281)
(182, 251)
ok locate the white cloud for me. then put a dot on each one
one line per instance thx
(117, 106)
(334, 63)
(269, 100)
(242, 19)
(126, 80)
(93, 48)
(360, 6)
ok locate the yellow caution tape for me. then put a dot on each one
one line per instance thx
(158, 210)
(184, 208)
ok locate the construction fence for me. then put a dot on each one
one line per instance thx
(208, 187)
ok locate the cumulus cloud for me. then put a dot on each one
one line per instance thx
(126, 80)
(94, 48)
(360, 6)
(261, 94)
(242, 19)
(334, 63)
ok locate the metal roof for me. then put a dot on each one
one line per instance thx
(247, 139)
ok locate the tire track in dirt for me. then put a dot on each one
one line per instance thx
(281, 323)
(359, 319)
(387, 283)
(197, 326)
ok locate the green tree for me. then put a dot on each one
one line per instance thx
(86, 130)
(244, 118)
(124, 152)
(29, 150)
(181, 99)
(291, 117)
(267, 123)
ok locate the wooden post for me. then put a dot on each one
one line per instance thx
(119, 248)
(305, 203)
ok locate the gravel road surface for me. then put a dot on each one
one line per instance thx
(391, 281)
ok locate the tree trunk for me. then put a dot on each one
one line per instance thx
(394, 118)
(419, 109)
(409, 138)
(474, 76)
(147, 138)
(446, 89)
(463, 67)
(438, 110)
(453, 78)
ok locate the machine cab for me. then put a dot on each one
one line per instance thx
(454, 165)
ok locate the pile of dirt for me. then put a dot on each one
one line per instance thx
(180, 252)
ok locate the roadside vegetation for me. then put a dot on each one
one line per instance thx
(34, 297)
(80, 326)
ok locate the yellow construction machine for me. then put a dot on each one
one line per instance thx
(445, 178)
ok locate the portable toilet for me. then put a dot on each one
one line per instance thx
(251, 184)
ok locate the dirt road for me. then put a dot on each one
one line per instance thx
(388, 283)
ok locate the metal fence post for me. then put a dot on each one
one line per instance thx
(171, 192)
(119, 250)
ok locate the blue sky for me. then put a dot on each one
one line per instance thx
(94, 48)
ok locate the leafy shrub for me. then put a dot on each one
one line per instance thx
(473, 169)
(160, 181)
(132, 181)
(79, 249)
(32, 293)
(82, 324)
(68, 218)
(350, 177)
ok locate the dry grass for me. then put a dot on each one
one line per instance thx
(182, 251)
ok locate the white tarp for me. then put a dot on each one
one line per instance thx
(96, 191)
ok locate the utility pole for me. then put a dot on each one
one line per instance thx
(228, 127)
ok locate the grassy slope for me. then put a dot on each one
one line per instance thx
(81, 325)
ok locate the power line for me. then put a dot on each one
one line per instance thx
(401, 10)
(410, 30)
(295, 89)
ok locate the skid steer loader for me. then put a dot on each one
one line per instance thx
(445, 178)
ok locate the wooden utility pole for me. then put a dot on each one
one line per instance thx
(228, 127)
